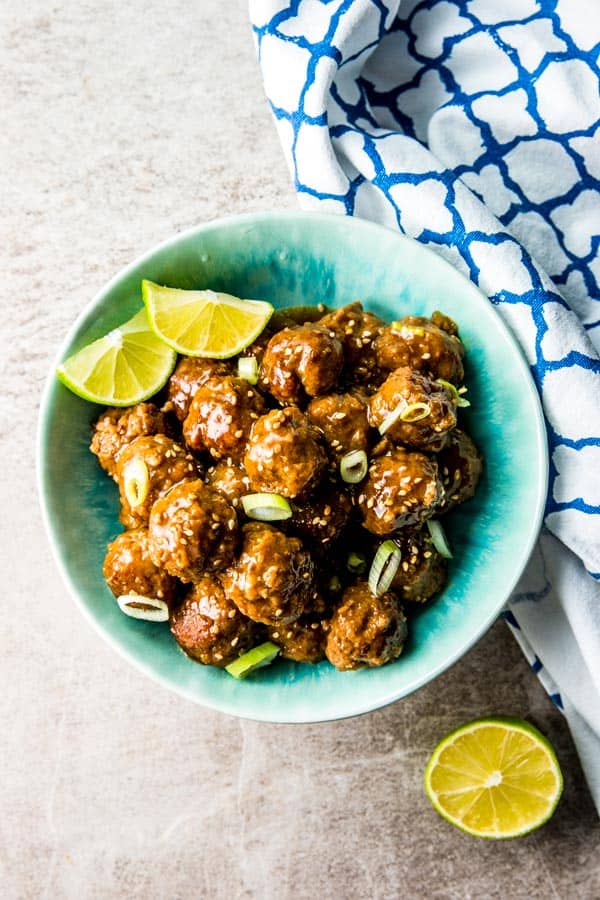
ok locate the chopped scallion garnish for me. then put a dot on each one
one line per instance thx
(248, 369)
(149, 608)
(438, 538)
(354, 466)
(384, 567)
(136, 482)
(405, 412)
(254, 659)
(456, 393)
(266, 507)
(356, 562)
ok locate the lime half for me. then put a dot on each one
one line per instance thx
(126, 366)
(204, 323)
(494, 778)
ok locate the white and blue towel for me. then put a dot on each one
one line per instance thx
(474, 126)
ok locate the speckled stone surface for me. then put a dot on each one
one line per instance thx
(122, 124)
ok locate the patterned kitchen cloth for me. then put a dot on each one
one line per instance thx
(473, 126)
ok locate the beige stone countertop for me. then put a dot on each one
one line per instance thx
(123, 123)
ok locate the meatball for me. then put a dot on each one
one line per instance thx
(230, 479)
(285, 455)
(357, 331)
(116, 428)
(272, 579)
(401, 488)
(303, 640)
(221, 415)
(208, 627)
(128, 568)
(189, 375)
(416, 342)
(322, 518)
(430, 410)
(461, 465)
(365, 631)
(192, 529)
(300, 361)
(422, 572)
(343, 420)
(148, 467)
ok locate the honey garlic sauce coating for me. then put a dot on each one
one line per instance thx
(416, 342)
(272, 580)
(343, 420)
(303, 640)
(422, 572)
(300, 361)
(230, 479)
(357, 331)
(115, 428)
(165, 463)
(322, 518)
(221, 416)
(189, 375)
(128, 568)
(365, 631)
(401, 488)
(405, 386)
(461, 465)
(209, 627)
(192, 529)
(285, 455)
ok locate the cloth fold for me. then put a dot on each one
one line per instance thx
(474, 127)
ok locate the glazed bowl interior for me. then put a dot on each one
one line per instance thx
(298, 259)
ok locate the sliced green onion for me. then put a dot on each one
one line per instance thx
(335, 585)
(136, 482)
(456, 394)
(438, 538)
(413, 330)
(354, 466)
(266, 507)
(254, 659)
(356, 562)
(248, 369)
(384, 567)
(405, 412)
(149, 608)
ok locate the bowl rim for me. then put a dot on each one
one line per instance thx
(43, 485)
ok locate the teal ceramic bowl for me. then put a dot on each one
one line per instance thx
(289, 259)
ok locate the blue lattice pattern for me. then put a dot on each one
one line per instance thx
(472, 125)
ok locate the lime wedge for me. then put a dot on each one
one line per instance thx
(494, 778)
(254, 659)
(126, 366)
(204, 323)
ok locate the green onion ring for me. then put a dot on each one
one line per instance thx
(356, 562)
(405, 412)
(266, 507)
(248, 369)
(438, 538)
(136, 482)
(384, 567)
(149, 608)
(456, 394)
(354, 466)
(254, 659)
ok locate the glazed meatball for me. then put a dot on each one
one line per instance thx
(343, 420)
(208, 627)
(365, 631)
(300, 361)
(128, 568)
(230, 479)
(189, 375)
(272, 579)
(221, 416)
(416, 342)
(303, 640)
(461, 465)
(357, 331)
(285, 455)
(430, 411)
(116, 428)
(148, 467)
(192, 529)
(322, 518)
(422, 572)
(401, 488)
